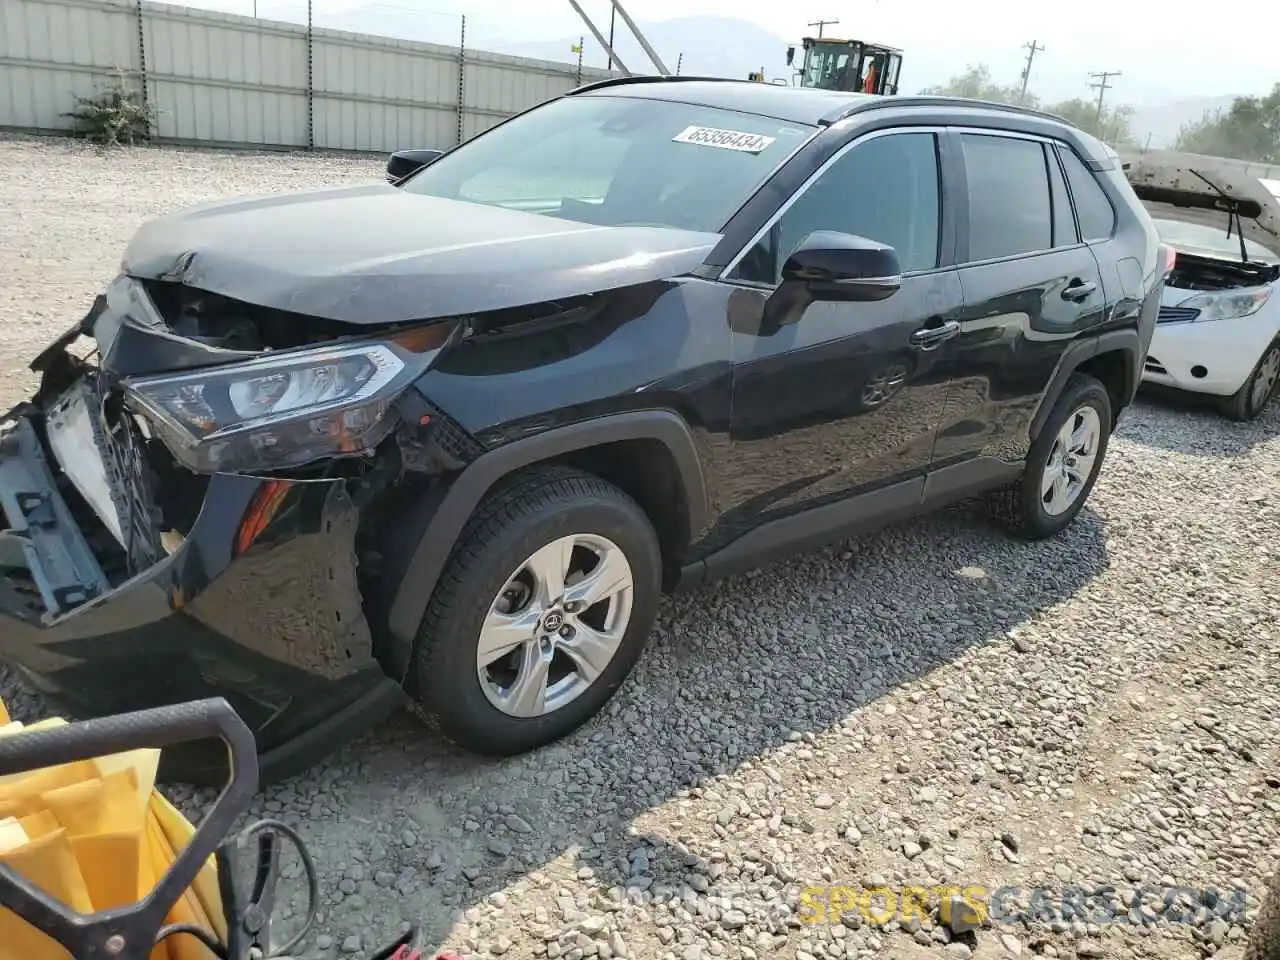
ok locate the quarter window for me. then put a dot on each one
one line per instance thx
(1093, 209)
(1009, 207)
(884, 189)
(1064, 221)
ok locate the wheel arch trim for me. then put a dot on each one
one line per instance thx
(429, 557)
(1077, 354)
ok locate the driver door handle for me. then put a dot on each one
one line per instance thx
(1078, 290)
(927, 337)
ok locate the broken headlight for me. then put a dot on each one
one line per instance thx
(278, 411)
(1227, 305)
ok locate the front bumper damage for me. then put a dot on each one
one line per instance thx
(257, 600)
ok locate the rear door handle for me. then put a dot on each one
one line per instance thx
(1078, 290)
(927, 337)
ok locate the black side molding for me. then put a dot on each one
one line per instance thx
(860, 514)
(470, 487)
(1126, 341)
(815, 528)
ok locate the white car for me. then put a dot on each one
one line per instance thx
(1219, 326)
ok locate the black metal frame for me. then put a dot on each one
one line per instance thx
(129, 933)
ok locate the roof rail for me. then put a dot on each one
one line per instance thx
(935, 101)
(647, 78)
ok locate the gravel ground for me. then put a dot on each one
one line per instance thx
(930, 705)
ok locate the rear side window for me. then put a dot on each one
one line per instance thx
(1064, 221)
(1009, 208)
(1093, 209)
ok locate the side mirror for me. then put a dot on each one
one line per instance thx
(840, 266)
(402, 163)
(791, 55)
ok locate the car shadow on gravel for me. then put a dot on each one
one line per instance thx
(1191, 424)
(733, 672)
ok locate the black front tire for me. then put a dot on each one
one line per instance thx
(1241, 405)
(525, 513)
(1019, 506)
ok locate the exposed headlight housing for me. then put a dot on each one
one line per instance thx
(1227, 304)
(279, 411)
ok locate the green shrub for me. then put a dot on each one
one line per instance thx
(115, 116)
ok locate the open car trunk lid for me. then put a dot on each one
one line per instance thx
(1206, 191)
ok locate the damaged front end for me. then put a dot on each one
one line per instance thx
(184, 512)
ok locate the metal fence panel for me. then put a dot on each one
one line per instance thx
(52, 51)
(233, 80)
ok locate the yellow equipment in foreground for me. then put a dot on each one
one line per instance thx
(95, 864)
(96, 835)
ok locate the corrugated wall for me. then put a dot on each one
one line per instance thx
(226, 79)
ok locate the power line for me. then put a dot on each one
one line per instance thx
(822, 23)
(1032, 49)
(1103, 84)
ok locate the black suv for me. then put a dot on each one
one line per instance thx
(448, 439)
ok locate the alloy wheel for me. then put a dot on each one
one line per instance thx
(884, 385)
(555, 625)
(1265, 381)
(1071, 461)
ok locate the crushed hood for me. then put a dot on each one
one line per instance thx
(1204, 190)
(375, 254)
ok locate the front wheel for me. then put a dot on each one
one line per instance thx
(542, 611)
(1249, 401)
(1062, 465)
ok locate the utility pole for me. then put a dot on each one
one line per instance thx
(1102, 76)
(822, 23)
(1032, 49)
(644, 44)
(613, 16)
(679, 62)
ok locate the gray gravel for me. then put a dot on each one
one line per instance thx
(933, 704)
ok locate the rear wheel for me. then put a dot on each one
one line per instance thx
(542, 611)
(1062, 465)
(1251, 399)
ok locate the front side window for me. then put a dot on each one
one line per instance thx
(616, 161)
(884, 189)
(1009, 209)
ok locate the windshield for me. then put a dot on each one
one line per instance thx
(615, 162)
(1213, 241)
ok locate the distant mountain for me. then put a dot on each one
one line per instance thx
(712, 47)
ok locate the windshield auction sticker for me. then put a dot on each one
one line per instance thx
(724, 139)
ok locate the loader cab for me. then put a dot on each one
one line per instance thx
(853, 66)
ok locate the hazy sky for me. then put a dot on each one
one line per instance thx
(1162, 55)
